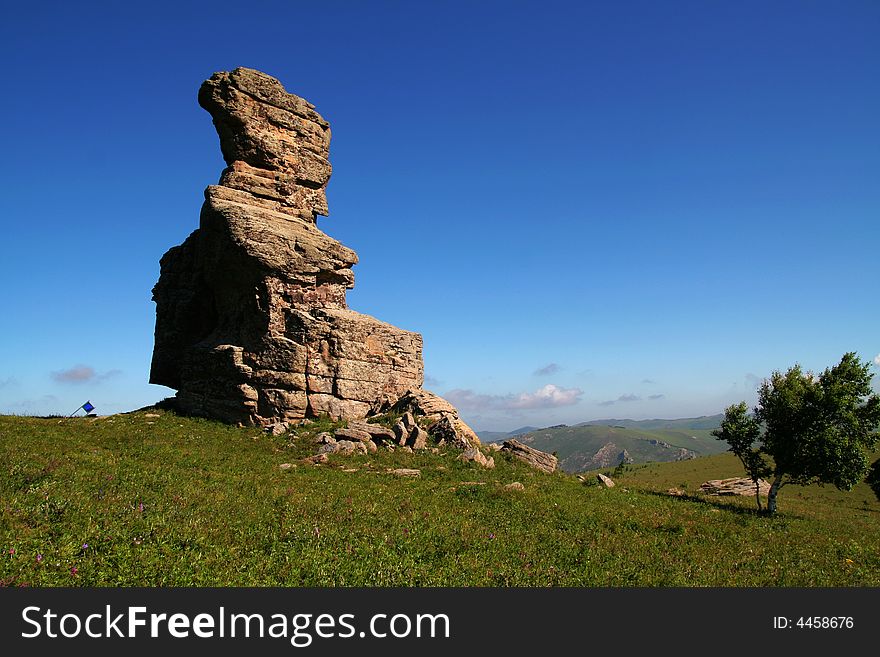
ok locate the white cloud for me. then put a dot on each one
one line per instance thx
(877, 360)
(550, 396)
(82, 374)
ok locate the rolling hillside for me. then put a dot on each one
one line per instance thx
(608, 443)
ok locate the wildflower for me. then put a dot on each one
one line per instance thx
(491, 537)
(85, 546)
(11, 550)
(74, 570)
(141, 507)
(39, 558)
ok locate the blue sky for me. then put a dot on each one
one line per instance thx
(588, 209)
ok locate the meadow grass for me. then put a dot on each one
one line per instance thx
(153, 499)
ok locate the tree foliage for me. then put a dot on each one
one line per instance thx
(807, 429)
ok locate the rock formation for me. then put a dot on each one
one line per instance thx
(734, 486)
(533, 457)
(251, 318)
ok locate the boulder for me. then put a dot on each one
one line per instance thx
(406, 472)
(418, 438)
(734, 486)
(533, 457)
(475, 455)
(277, 429)
(514, 485)
(355, 435)
(607, 482)
(377, 432)
(453, 431)
(324, 438)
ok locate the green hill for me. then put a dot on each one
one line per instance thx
(589, 446)
(154, 499)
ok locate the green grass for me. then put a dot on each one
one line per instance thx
(172, 501)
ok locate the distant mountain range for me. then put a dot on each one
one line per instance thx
(606, 443)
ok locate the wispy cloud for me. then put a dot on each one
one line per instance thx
(655, 397)
(7, 382)
(649, 381)
(550, 396)
(629, 397)
(547, 370)
(432, 381)
(877, 360)
(82, 374)
(29, 404)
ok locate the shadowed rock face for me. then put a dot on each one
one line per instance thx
(251, 319)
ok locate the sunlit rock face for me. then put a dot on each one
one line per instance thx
(252, 324)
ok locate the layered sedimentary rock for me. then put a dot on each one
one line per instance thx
(251, 318)
(531, 456)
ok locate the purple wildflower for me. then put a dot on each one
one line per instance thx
(39, 558)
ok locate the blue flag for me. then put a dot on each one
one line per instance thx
(87, 407)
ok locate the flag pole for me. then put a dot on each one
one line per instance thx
(80, 406)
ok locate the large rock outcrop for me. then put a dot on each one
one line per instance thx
(251, 318)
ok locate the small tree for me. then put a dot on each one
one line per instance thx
(741, 432)
(808, 429)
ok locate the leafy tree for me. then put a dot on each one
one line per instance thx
(807, 429)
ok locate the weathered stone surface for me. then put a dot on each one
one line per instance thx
(605, 481)
(533, 457)
(514, 485)
(475, 455)
(324, 438)
(277, 428)
(734, 486)
(251, 317)
(406, 472)
(351, 434)
(452, 430)
(401, 433)
(418, 438)
(376, 431)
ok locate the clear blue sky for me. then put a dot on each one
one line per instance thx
(647, 206)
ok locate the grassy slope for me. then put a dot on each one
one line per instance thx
(217, 510)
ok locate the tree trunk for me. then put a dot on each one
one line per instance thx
(771, 497)
(758, 493)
